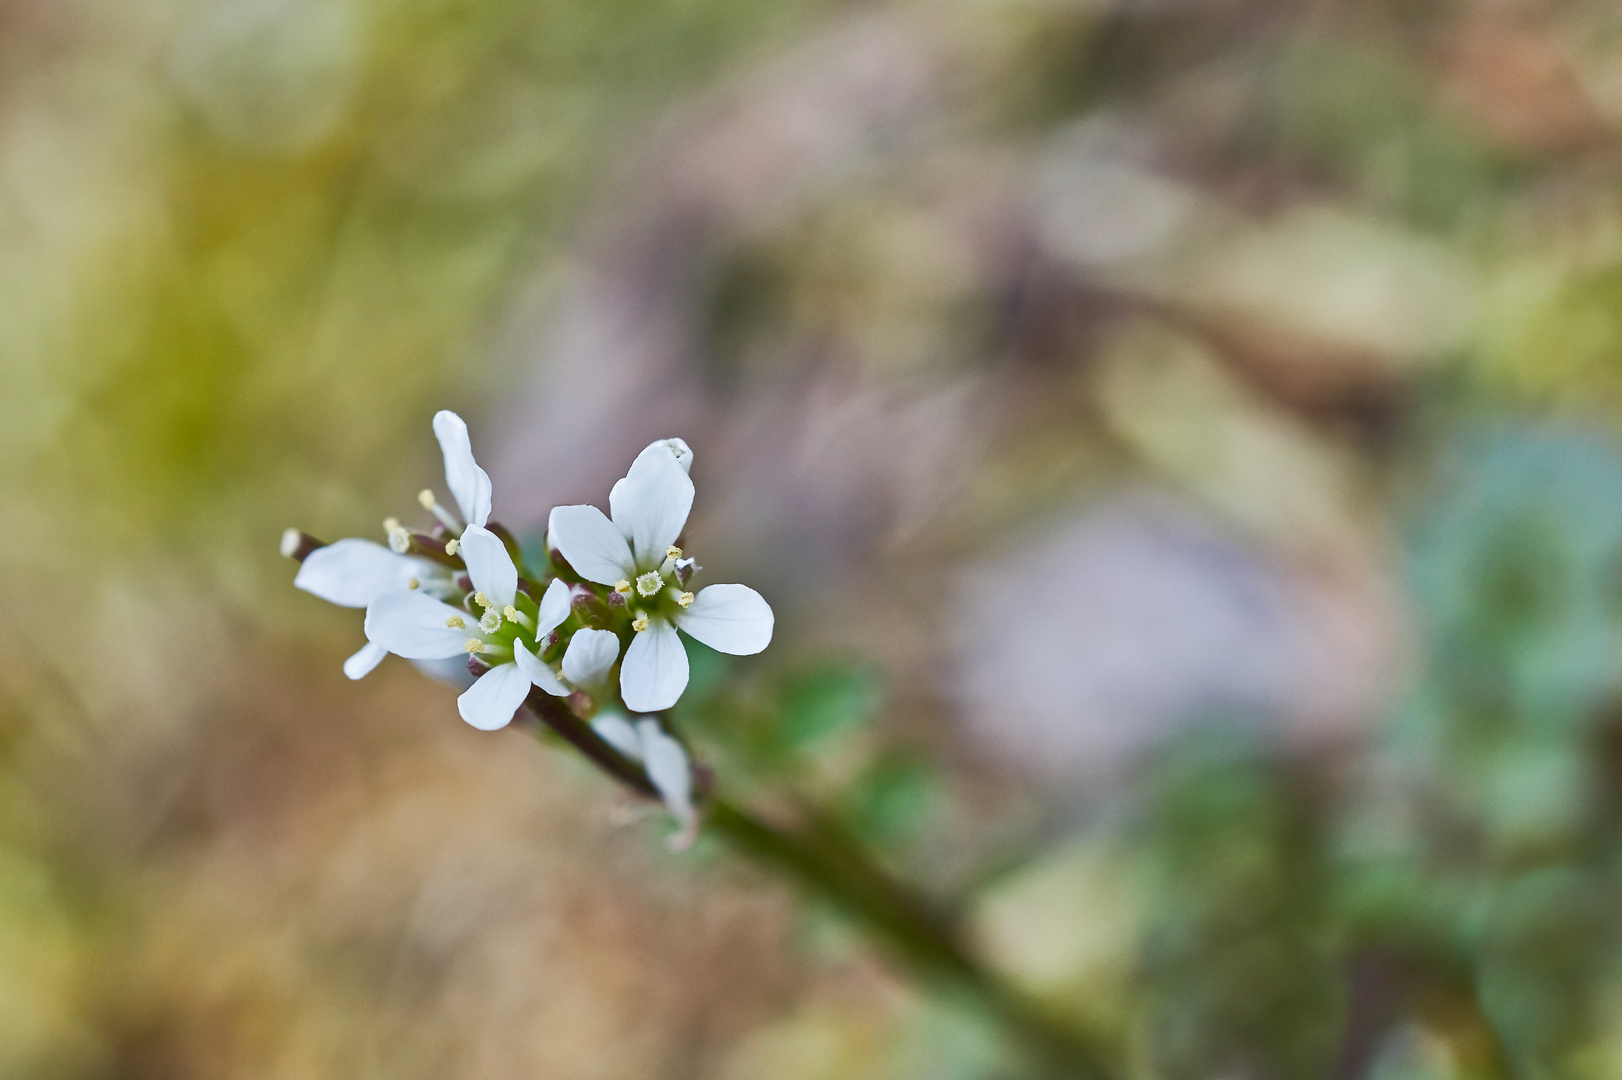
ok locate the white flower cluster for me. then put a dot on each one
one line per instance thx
(457, 589)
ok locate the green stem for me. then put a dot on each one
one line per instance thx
(828, 861)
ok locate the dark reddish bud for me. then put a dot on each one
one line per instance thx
(685, 569)
(298, 545)
(616, 599)
(475, 666)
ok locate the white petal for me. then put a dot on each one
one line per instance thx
(537, 672)
(489, 565)
(412, 625)
(669, 770)
(617, 732)
(655, 669)
(590, 543)
(589, 656)
(729, 618)
(354, 572)
(650, 506)
(361, 664)
(490, 703)
(554, 609)
(469, 484)
(678, 447)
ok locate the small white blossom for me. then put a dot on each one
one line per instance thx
(420, 627)
(634, 552)
(354, 572)
(664, 759)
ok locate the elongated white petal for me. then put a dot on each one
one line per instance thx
(489, 565)
(617, 732)
(655, 669)
(490, 703)
(361, 664)
(469, 484)
(414, 626)
(537, 672)
(591, 544)
(670, 772)
(650, 506)
(589, 656)
(554, 609)
(354, 572)
(729, 618)
(679, 448)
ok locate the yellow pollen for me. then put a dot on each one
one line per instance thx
(640, 623)
(455, 622)
(452, 545)
(622, 586)
(413, 583)
(426, 497)
(390, 524)
(474, 646)
(511, 613)
(482, 600)
(685, 599)
(672, 552)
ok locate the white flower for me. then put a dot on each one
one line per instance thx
(492, 625)
(634, 554)
(354, 572)
(665, 761)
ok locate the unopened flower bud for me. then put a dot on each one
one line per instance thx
(685, 568)
(616, 599)
(476, 667)
(298, 545)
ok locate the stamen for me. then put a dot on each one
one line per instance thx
(474, 646)
(290, 543)
(650, 583)
(452, 545)
(413, 583)
(390, 524)
(455, 623)
(490, 621)
(399, 540)
(685, 599)
(640, 623)
(482, 600)
(514, 615)
(622, 587)
(431, 504)
(672, 552)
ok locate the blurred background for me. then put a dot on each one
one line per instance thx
(1178, 439)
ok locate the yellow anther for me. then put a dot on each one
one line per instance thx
(622, 587)
(685, 599)
(482, 600)
(474, 646)
(452, 545)
(640, 623)
(510, 612)
(426, 497)
(455, 623)
(390, 524)
(413, 583)
(672, 552)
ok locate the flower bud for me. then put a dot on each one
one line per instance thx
(685, 569)
(475, 666)
(298, 545)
